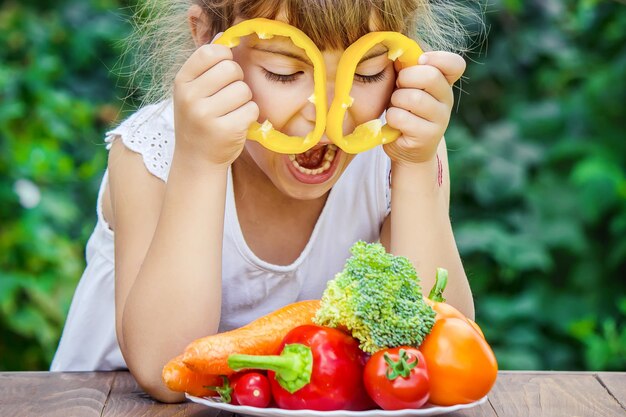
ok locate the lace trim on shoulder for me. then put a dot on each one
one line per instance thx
(150, 133)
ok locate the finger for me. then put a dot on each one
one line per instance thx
(420, 103)
(215, 79)
(242, 116)
(230, 98)
(202, 59)
(451, 65)
(429, 79)
(411, 125)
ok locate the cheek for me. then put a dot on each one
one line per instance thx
(277, 102)
(262, 95)
(370, 100)
(265, 159)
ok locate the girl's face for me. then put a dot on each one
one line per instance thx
(281, 79)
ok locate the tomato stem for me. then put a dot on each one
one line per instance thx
(225, 391)
(293, 366)
(441, 280)
(402, 367)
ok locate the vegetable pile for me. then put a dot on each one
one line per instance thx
(374, 341)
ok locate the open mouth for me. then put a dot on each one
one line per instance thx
(315, 165)
(314, 161)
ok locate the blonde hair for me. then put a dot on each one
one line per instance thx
(162, 41)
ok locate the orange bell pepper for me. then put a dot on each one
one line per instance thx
(437, 302)
(265, 134)
(461, 365)
(369, 134)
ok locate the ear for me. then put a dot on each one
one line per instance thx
(199, 25)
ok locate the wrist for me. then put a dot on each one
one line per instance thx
(196, 165)
(415, 174)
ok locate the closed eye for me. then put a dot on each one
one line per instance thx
(282, 78)
(371, 78)
(288, 78)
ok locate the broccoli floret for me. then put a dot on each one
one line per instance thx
(378, 298)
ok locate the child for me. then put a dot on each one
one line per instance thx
(200, 230)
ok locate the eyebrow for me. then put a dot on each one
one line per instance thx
(283, 52)
(374, 53)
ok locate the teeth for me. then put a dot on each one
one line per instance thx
(329, 156)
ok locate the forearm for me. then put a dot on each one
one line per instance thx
(176, 296)
(421, 229)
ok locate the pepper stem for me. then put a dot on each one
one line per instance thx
(441, 280)
(402, 367)
(293, 366)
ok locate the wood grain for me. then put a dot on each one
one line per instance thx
(483, 410)
(53, 394)
(615, 383)
(552, 394)
(112, 394)
(127, 399)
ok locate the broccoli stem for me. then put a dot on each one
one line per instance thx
(293, 366)
(441, 280)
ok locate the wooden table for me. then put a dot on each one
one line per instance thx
(532, 394)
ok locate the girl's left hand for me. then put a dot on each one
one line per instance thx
(421, 106)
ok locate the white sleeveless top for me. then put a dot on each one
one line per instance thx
(355, 210)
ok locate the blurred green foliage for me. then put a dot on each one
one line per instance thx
(57, 97)
(536, 148)
(538, 161)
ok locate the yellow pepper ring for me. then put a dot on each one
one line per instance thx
(372, 133)
(265, 134)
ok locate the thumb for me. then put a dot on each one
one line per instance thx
(450, 64)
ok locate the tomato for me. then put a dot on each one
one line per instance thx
(252, 389)
(397, 378)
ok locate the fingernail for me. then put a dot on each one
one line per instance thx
(216, 36)
(423, 59)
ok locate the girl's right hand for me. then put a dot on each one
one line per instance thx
(212, 107)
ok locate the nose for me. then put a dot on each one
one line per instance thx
(325, 140)
(330, 93)
(309, 110)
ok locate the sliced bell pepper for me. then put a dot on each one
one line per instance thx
(265, 133)
(372, 133)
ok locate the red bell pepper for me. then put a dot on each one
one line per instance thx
(319, 368)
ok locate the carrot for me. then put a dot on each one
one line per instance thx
(260, 337)
(178, 377)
